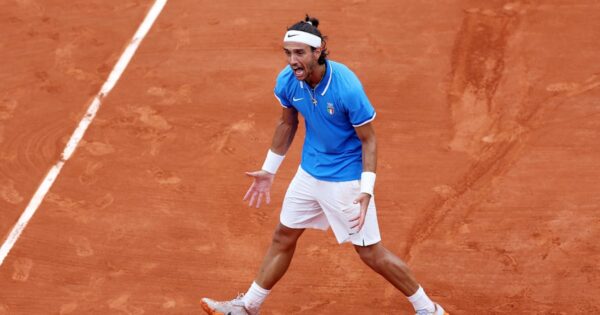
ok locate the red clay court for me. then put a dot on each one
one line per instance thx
(488, 128)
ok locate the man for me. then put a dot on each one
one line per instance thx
(334, 183)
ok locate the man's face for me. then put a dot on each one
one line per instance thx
(301, 58)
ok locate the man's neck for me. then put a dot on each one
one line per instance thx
(317, 75)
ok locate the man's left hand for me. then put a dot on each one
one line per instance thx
(364, 200)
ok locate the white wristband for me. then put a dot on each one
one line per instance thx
(367, 182)
(272, 162)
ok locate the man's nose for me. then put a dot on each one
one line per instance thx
(293, 59)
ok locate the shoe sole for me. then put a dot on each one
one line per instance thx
(209, 310)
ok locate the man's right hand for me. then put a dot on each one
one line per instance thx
(261, 187)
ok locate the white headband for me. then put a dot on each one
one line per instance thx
(303, 37)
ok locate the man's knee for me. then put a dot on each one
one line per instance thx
(371, 254)
(285, 237)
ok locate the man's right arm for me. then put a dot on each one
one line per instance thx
(282, 139)
(285, 131)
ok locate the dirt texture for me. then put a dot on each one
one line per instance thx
(488, 129)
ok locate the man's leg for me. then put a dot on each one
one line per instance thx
(395, 271)
(275, 264)
(278, 257)
(299, 210)
(388, 265)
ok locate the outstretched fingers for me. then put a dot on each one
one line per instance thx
(248, 193)
(252, 198)
(260, 197)
(260, 189)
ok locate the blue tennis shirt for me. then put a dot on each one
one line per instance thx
(332, 151)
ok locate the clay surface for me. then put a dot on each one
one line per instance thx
(488, 129)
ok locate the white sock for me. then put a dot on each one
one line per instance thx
(255, 297)
(421, 301)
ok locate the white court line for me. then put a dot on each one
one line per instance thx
(77, 135)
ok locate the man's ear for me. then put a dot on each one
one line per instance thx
(317, 52)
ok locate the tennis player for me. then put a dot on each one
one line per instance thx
(334, 184)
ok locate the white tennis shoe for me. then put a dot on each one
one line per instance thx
(438, 311)
(233, 307)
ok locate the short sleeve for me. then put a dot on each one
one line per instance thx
(360, 110)
(280, 89)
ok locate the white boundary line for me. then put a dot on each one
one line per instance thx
(77, 135)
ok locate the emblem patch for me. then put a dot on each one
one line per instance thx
(330, 109)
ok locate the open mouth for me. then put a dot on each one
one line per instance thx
(298, 72)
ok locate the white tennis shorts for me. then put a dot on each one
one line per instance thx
(317, 204)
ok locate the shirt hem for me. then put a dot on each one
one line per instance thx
(331, 179)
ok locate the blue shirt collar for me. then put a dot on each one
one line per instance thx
(323, 86)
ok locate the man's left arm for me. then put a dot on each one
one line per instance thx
(366, 134)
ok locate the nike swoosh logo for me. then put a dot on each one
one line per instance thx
(297, 99)
(292, 35)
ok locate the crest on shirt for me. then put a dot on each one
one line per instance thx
(330, 109)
